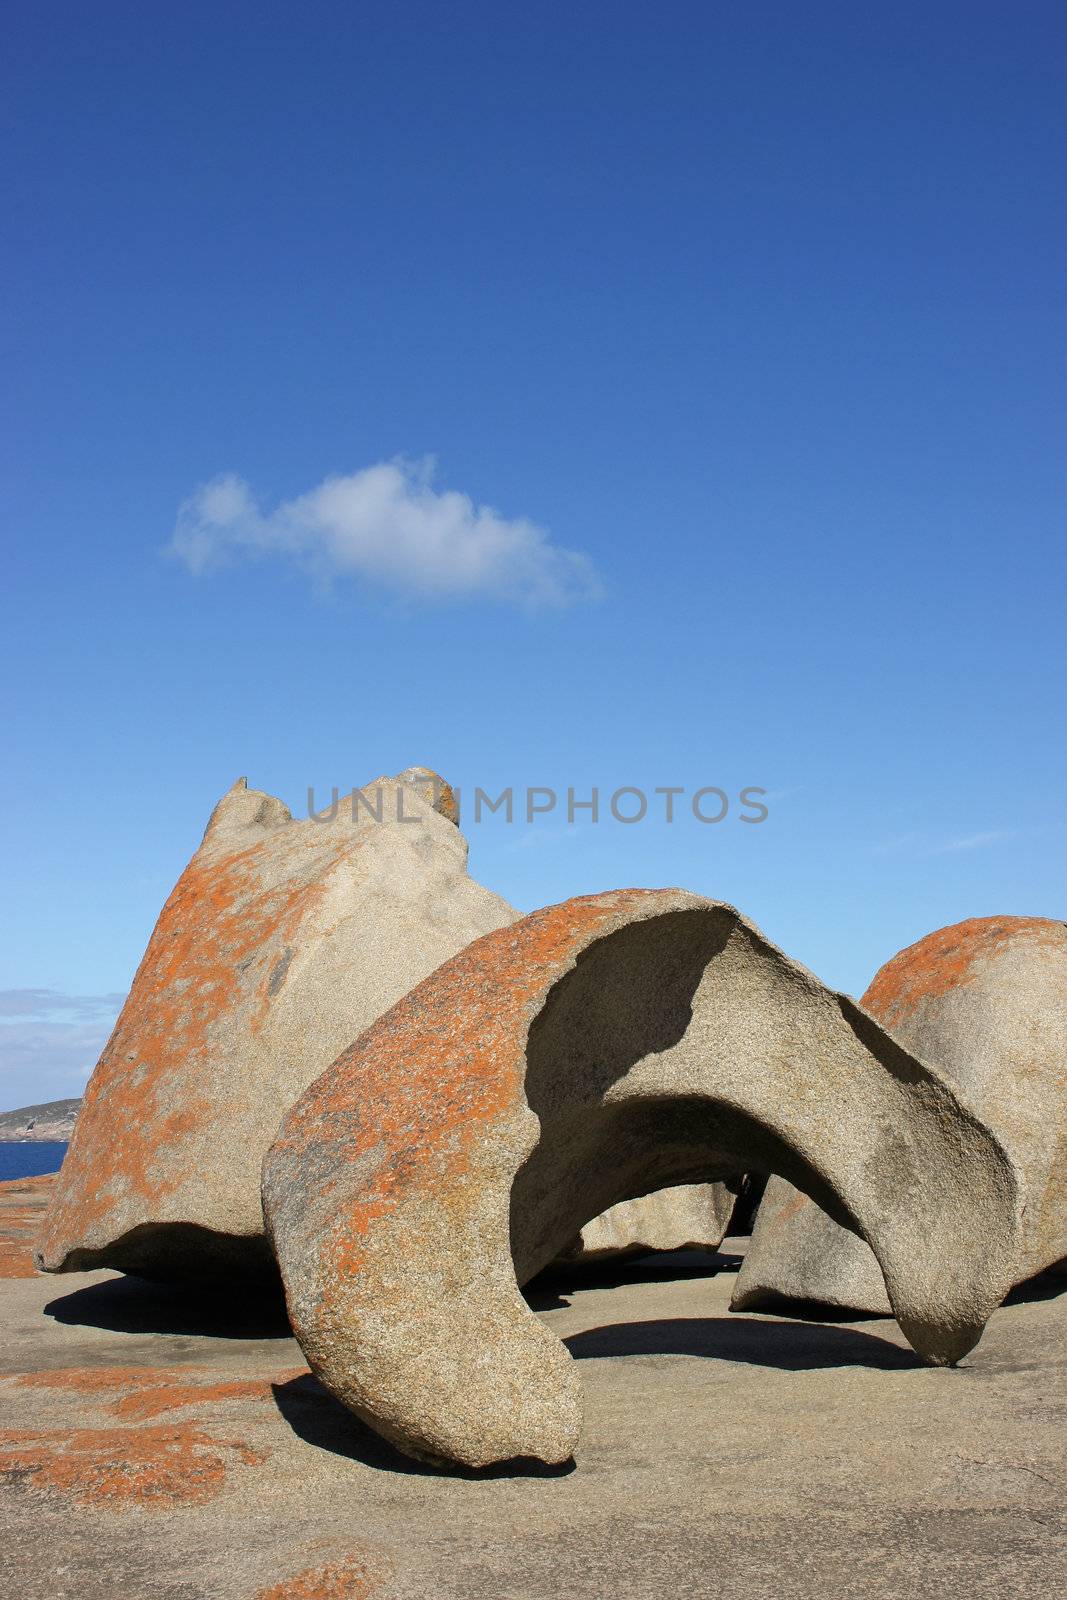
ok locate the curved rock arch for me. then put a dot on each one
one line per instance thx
(591, 1052)
(986, 1000)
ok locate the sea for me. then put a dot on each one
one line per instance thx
(30, 1160)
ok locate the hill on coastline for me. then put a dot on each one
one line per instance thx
(34, 1124)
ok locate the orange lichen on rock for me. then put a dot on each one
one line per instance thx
(22, 1205)
(470, 1020)
(593, 1052)
(945, 960)
(354, 1577)
(984, 1002)
(138, 1393)
(197, 968)
(156, 1467)
(280, 943)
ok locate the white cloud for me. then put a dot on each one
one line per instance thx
(388, 525)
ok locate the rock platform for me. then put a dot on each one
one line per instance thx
(168, 1445)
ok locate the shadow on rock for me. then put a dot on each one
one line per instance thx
(136, 1305)
(320, 1420)
(548, 1291)
(1045, 1286)
(791, 1347)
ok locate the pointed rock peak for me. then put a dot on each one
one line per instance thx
(435, 790)
(242, 807)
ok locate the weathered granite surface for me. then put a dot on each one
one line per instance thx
(159, 1443)
(590, 1053)
(690, 1216)
(23, 1202)
(986, 1002)
(281, 941)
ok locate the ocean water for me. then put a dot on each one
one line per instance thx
(30, 1160)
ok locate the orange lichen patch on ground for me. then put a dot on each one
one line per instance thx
(22, 1205)
(157, 1467)
(16, 1261)
(946, 959)
(443, 1064)
(40, 1187)
(137, 1393)
(172, 1397)
(351, 1578)
(219, 926)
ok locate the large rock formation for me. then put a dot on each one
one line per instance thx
(592, 1052)
(281, 941)
(986, 1002)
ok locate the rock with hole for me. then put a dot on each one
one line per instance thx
(985, 1002)
(590, 1053)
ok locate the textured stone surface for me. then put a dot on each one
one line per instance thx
(840, 1464)
(281, 941)
(593, 1052)
(691, 1216)
(23, 1202)
(986, 1002)
(437, 794)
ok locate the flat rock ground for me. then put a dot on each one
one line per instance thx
(168, 1446)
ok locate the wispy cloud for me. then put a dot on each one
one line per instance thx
(899, 844)
(49, 1042)
(544, 838)
(388, 525)
(922, 844)
(44, 1003)
(973, 841)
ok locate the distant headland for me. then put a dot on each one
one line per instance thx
(53, 1121)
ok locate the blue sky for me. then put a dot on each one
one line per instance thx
(557, 395)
